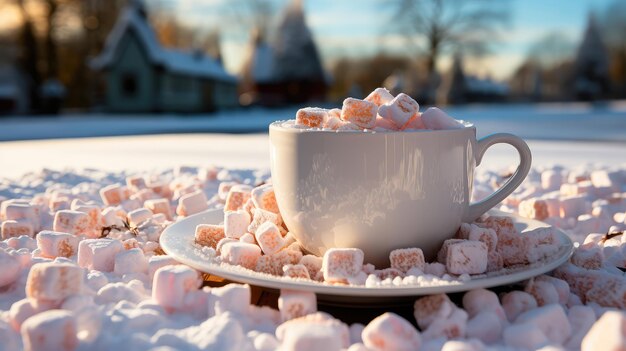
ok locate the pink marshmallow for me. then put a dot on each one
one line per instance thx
(242, 254)
(130, 261)
(73, 222)
(261, 216)
(273, 264)
(54, 244)
(263, 197)
(296, 271)
(485, 326)
(159, 206)
(293, 304)
(269, 238)
(360, 112)
(391, 332)
(480, 300)
(516, 302)
(51, 283)
(399, 110)
(467, 257)
(436, 119)
(12, 228)
(237, 197)
(430, 308)
(379, 96)
(312, 263)
(98, 254)
(50, 331)
(454, 326)
(405, 259)
(608, 333)
(233, 298)
(171, 285)
(525, 336)
(316, 331)
(312, 117)
(139, 216)
(209, 234)
(486, 235)
(551, 319)
(339, 265)
(192, 203)
(112, 195)
(11, 269)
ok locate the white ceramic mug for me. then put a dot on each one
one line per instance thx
(381, 191)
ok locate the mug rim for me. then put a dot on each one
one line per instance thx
(277, 125)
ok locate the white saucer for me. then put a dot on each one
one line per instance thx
(178, 241)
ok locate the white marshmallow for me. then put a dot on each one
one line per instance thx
(10, 271)
(159, 206)
(516, 302)
(138, 216)
(467, 257)
(73, 222)
(551, 179)
(405, 259)
(98, 254)
(527, 336)
(12, 228)
(379, 96)
(480, 300)
(452, 327)
(112, 194)
(192, 203)
(263, 197)
(544, 292)
(157, 261)
(233, 298)
(269, 238)
(241, 254)
(581, 318)
(399, 110)
(485, 326)
(430, 308)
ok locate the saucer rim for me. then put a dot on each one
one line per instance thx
(176, 244)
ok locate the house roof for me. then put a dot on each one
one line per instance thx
(133, 19)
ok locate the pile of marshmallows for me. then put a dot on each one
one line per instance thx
(253, 236)
(99, 280)
(379, 111)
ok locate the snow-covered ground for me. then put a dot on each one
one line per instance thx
(572, 121)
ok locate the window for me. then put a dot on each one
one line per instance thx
(129, 84)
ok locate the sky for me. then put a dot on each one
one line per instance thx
(357, 28)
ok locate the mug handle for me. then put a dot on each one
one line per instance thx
(480, 207)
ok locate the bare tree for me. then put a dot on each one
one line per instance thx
(254, 15)
(435, 27)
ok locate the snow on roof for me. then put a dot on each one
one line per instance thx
(133, 18)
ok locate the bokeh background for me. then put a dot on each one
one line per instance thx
(543, 69)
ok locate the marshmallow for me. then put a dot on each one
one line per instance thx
(339, 265)
(263, 197)
(316, 331)
(405, 259)
(130, 261)
(273, 264)
(379, 96)
(313, 117)
(495, 262)
(98, 254)
(52, 282)
(224, 241)
(385, 124)
(525, 336)
(551, 319)
(480, 300)
(551, 179)
(452, 327)
(501, 224)
(10, 269)
(209, 234)
(430, 308)
(467, 257)
(437, 269)
(14, 228)
(561, 286)
(442, 255)
(17, 211)
(486, 235)
(485, 326)
(269, 238)
(293, 304)
(237, 197)
(73, 222)
(534, 208)
(296, 271)
(544, 292)
(112, 194)
(574, 206)
(192, 203)
(159, 206)
(54, 244)
(135, 183)
(606, 179)
(333, 122)
(312, 263)
(138, 216)
(516, 302)
(436, 119)
(399, 110)
(248, 238)
(242, 254)
(415, 122)
(261, 216)
(608, 333)
(234, 298)
(513, 248)
(157, 261)
(582, 319)
(236, 223)
(391, 332)
(171, 285)
(50, 331)
(360, 112)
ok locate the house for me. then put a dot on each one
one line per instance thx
(14, 97)
(287, 68)
(142, 76)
